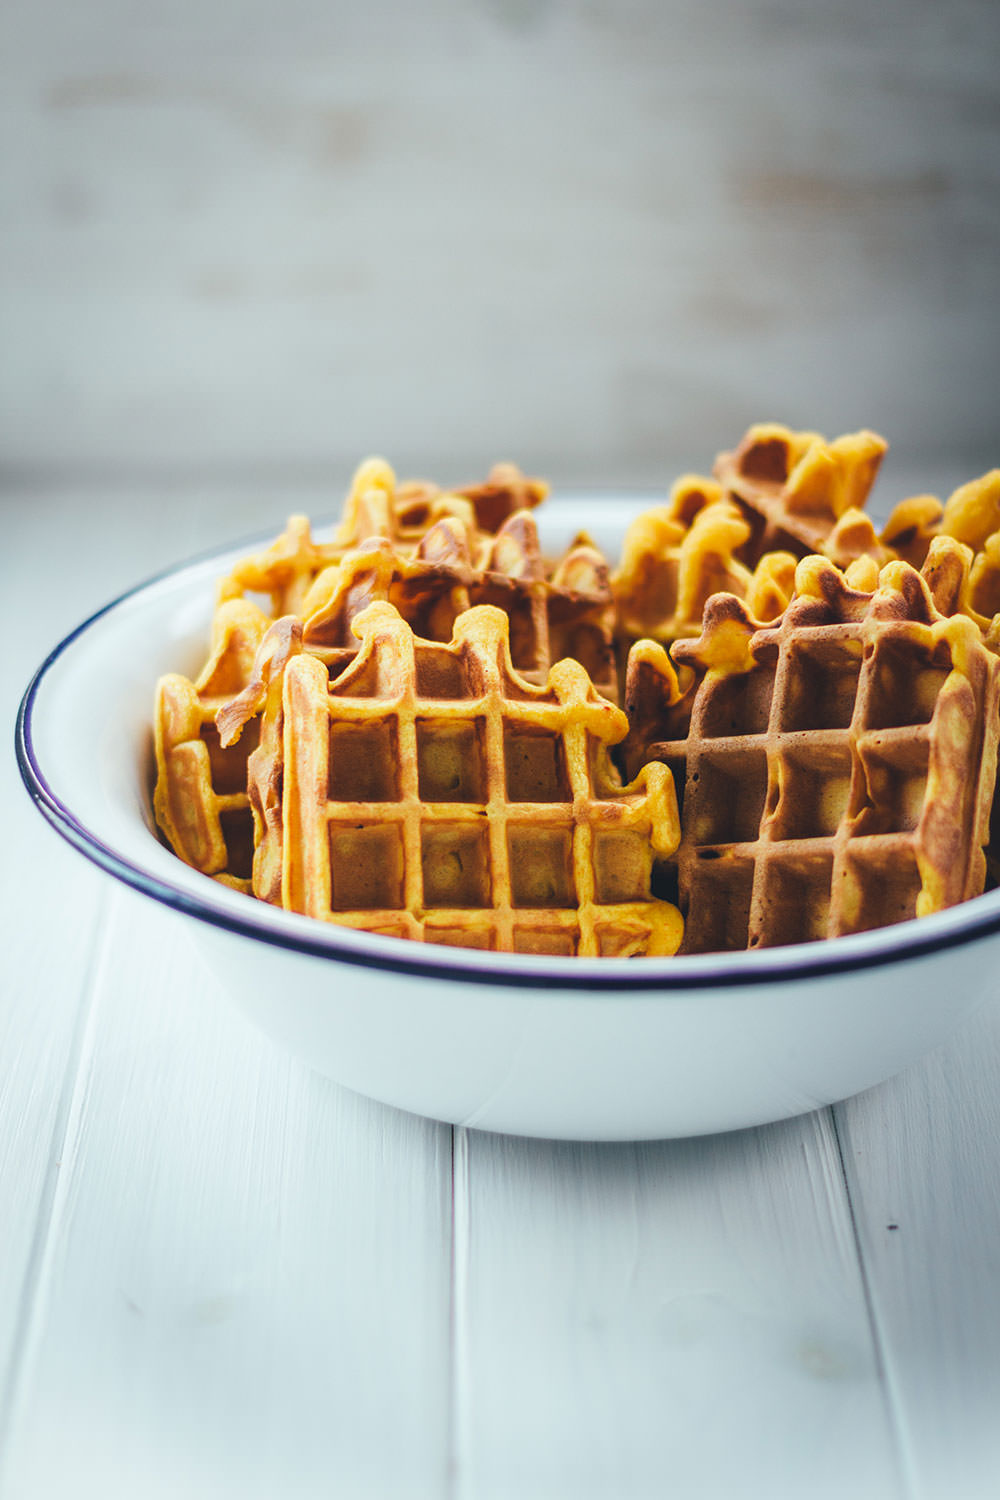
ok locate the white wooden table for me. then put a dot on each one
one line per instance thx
(224, 1276)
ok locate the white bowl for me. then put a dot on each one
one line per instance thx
(589, 1049)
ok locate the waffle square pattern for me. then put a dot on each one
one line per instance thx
(431, 792)
(837, 768)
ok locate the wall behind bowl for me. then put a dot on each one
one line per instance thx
(600, 238)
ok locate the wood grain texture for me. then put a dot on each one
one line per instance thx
(681, 1318)
(52, 904)
(245, 1284)
(923, 1162)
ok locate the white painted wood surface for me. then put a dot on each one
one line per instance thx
(224, 1276)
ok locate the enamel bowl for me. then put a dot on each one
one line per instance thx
(587, 1049)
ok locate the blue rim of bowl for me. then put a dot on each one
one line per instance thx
(901, 942)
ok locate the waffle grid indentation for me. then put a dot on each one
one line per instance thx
(472, 820)
(805, 826)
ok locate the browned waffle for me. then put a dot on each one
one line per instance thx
(434, 553)
(430, 594)
(911, 527)
(837, 768)
(378, 507)
(284, 571)
(567, 611)
(287, 570)
(200, 799)
(795, 486)
(972, 513)
(494, 500)
(670, 567)
(431, 792)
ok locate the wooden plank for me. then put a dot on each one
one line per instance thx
(922, 1155)
(52, 903)
(245, 1287)
(679, 1318)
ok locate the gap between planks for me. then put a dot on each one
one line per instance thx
(890, 1395)
(65, 1131)
(825, 1171)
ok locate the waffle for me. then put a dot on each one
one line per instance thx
(571, 613)
(798, 489)
(429, 594)
(972, 514)
(853, 537)
(504, 491)
(912, 526)
(200, 799)
(794, 486)
(434, 553)
(580, 615)
(287, 570)
(676, 556)
(284, 571)
(567, 611)
(837, 767)
(378, 507)
(430, 792)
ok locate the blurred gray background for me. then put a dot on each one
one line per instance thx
(250, 243)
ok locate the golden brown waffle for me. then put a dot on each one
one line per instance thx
(287, 570)
(672, 565)
(795, 486)
(837, 767)
(853, 537)
(971, 516)
(566, 612)
(429, 594)
(284, 571)
(702, 542)
(912, 526)
(972, 513)
(580, 616)
(494, 500)
(431, 792)
(670, 568)
(260, 705)
(200, 799)
(571, 613)
(377, 507)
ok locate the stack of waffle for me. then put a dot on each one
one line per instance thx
(412, 728)
(444, 567)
